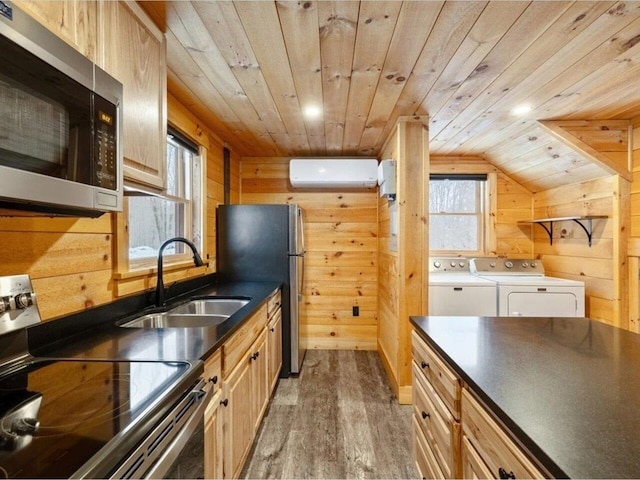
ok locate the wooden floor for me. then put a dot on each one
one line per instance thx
(338, 419)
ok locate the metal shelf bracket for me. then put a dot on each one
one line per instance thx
(588, 228)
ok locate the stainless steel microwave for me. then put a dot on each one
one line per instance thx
(60, 124)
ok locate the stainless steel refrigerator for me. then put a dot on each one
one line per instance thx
(266, 243)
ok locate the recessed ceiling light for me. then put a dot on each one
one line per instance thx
(521, 110)
(312, 111)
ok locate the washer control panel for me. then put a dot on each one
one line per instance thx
(505, 266)
(18, 307)
(448, 264)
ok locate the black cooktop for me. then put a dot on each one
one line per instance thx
(58, 418)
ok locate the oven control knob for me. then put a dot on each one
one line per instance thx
(25, 426)
(508, 264)
(23, 300)
(534, 264)
(453, 264)
(437, 264)
(461, 264)
(525, 264)
(492, 264)
(4, 304)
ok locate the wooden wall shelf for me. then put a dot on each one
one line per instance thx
(577, 219)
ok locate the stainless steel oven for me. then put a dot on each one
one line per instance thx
(91, 418)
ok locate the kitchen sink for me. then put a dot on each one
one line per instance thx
(200, 312)
(210, 306)
(167, 320)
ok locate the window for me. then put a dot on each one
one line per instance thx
(457, 206)
(176, 213)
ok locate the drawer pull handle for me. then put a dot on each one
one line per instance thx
(255, 356)
(225, 402)
(272, 329)
(424, 365)
(214, 379)
(504, 475)
(457, 289)
(425, 415)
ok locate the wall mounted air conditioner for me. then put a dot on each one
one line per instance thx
(333, 173)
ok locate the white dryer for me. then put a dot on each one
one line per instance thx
(525, 291)
(453, 290)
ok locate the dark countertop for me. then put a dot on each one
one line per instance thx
(109, 341)
(567, 388)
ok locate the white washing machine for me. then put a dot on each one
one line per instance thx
(525, 291)
(453, 290)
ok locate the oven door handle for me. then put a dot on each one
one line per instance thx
(203, 395)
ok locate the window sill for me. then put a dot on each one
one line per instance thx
(135, 281)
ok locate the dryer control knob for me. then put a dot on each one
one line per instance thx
(525, 264)
(508, 264)
(492, 264)
(453, 264)
(437, 264)
(461, 264)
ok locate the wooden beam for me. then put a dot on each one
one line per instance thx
(585, 137)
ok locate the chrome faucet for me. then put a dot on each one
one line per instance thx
(197, 260)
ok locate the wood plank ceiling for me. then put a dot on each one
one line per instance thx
(250, 68)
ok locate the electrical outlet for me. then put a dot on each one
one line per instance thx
(356, 311)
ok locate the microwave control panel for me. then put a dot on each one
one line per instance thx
(106, 150)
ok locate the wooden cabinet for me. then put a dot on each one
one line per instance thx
(132, 49)
(454, 434)
(238, 426)
(259, 381)
(274, 340)
(74, 21)
(247, 387)
(213, 418)
(436, 405)
(213, 440)
(489, 448)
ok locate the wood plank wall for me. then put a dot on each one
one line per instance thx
(634, 236)
(570, 255)
(70, 260)
(388, 279)
(341, 266)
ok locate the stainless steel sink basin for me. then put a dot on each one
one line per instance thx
(167, 320)
(210, 306)
(201, 312)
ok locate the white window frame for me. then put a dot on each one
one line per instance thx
(185, 256)
(482, 213)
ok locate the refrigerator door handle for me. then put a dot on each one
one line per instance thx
(300, 292)
(302, 232)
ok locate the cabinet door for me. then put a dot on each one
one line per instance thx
(132, 49)
(472, 465)
(238, 419)
(213, 440)
(74, 21)
(259, 379)
(274, 342)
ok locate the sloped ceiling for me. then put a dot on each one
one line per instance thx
(249, 68)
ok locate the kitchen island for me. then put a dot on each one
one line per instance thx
(565, 391)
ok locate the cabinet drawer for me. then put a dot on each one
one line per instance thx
(274, 303)
(445, 382)
(440, 429)
(213, 370)
(234, 349)
(425, 460)
(496, 449)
